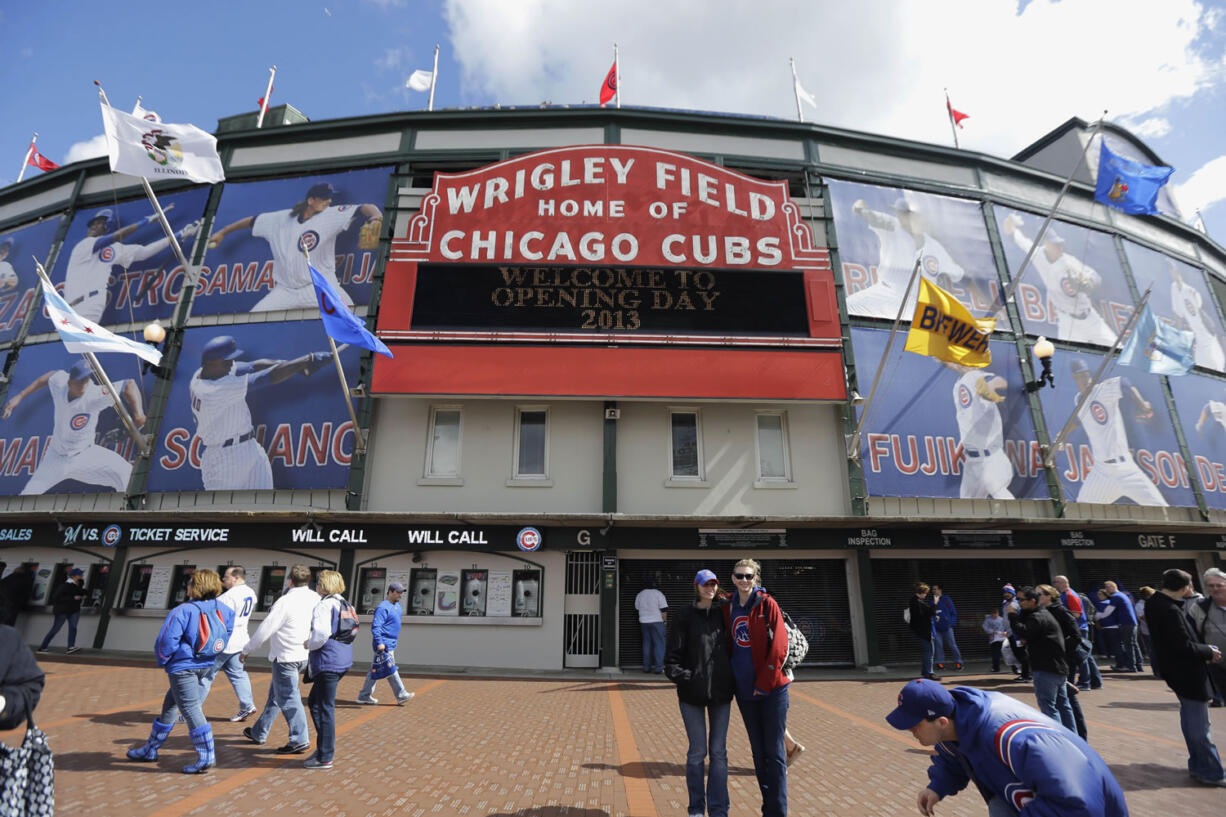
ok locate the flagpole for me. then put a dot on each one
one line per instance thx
(26, 161)
(259, 122)
(433, 80)
(340, 373)
(800, 116)
(949, 111)
(853, 445)
(1058, 443)
(1017, 279)
(617, 76)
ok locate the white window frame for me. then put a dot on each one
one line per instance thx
(673, 480)
(763, 481)
(529, 480)
(457, 478)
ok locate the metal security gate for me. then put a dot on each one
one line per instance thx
(812, 591)
(1130, 574)
(581, 610)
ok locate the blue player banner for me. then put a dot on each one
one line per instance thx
(255, 261)
(255, 407)
(59, 432)
(1123, 449)
(1074, 287)
(18, 279)
(883, 230)
(1200, 403)
(1179, 297)
(116, 264)
(945, 430)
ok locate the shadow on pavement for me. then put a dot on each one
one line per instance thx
(553, 811)
(1144, 705)
(1151, 777)
(657, 770)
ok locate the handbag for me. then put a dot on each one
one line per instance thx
(381, 667)
(27, 776)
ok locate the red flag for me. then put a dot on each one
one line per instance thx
(609, 87)
(954, 114)
(40, 161)
(260, 104)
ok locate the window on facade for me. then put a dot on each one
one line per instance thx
(685, 454)
(531, 444)
(443, 456)
(773, 447)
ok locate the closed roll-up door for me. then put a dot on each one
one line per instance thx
(812, 591)
(1130, 574)
(974, 585)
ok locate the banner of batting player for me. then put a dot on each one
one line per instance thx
(1180, 297)
(255, 407)
(943, 430)
(1123, 449)
(1201, 404)
(254, 262)
(1074, 287)
(18, 280)
(59, 432)
(882, 230)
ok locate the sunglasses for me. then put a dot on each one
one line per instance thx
(742, 576)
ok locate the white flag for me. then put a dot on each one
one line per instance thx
(420, 81)
(81, 335)
(159, 149)
(803, 94)
(144, 113)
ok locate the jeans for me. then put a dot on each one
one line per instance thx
(1050, 692)
(1111, 642)
(945, 640)
(1127, 652)
(184, 697)
(283, 696)
(394, 679)
(715, 801)
(322, 703)
(1086, 674)
(766, 720)
(653, 645)
(1203, 759)
(60, 618)
(228, 663)
(1000, 807)
(925, 655)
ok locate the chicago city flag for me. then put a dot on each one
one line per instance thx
(944, 329)
(81, 335)
(160, 150)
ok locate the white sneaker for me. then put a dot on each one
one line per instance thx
(401, 700)
(368, 701)
(243, 714)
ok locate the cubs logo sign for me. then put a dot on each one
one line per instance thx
(964, 396)
(740, 631)
(79, 421)
(219, 645)
(107, 254)
(111, 535)
(308, 241)
(1099, 412)
(528, 540)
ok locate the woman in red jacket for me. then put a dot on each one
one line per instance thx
(758, 642)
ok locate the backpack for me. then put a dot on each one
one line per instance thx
(347, 624)
(798, 645)
(211, 634)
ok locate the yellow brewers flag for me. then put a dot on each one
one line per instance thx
(944, 329)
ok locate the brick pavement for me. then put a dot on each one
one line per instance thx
(578, 745)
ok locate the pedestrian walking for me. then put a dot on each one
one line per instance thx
(331, 656)
(385, 636)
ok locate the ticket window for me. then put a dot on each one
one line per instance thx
(95, 585)
(473, 584)
(179, 578)
(372, 586)
(272, 583)
(422, 583)
(42, 584)
(138, 586)
(526, 593)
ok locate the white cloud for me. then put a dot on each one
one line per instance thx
(876, 65)
(1155, 127)
(391, 58)
(1204, 188)
(89, 149)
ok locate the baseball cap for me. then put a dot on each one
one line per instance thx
(1077, 366)
(395, 587)
(705, 576)
(919, 700)
(1008, 588)
(323, 190)
(80, 371)
(1052, 237)
(902, 205)
(222, 347)
(76, 571)
(105, 213)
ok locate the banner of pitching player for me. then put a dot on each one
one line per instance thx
(255, 262)
(1201, 404)
(256, 407)
(18, 280)
(882, 230)
(59, 432)
(943, 430)
(1179, 296)
(1074, 287)
(1122, 449)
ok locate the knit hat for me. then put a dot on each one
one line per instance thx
(1008, 588)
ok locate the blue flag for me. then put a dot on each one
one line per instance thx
(1158, 347)
(341, 324)
(1127, 185)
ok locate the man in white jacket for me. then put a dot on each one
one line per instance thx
(286, 629)
(240, 598)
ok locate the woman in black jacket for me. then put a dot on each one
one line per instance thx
(696, 660)
(920, 614)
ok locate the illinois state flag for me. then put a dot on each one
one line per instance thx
(1127, 185)
(1158, 347)
(81, 335)
(159, 150)
(944, 329)
(609, 88)
(341, 324)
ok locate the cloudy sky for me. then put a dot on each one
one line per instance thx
(1018, 68)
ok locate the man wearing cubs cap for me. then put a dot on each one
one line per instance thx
(384, 636)
(1017, 757)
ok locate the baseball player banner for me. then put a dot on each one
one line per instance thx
(1074, 287)
(882, 230)
(1200, 403)
(255, 407)
(18, 278)
(940, 429)
(1122, 449)
(58, 430)
(116, 264)
(255, 261)
(1179, 297)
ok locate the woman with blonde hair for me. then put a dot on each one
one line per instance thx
(192, 636)
(333, 627)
